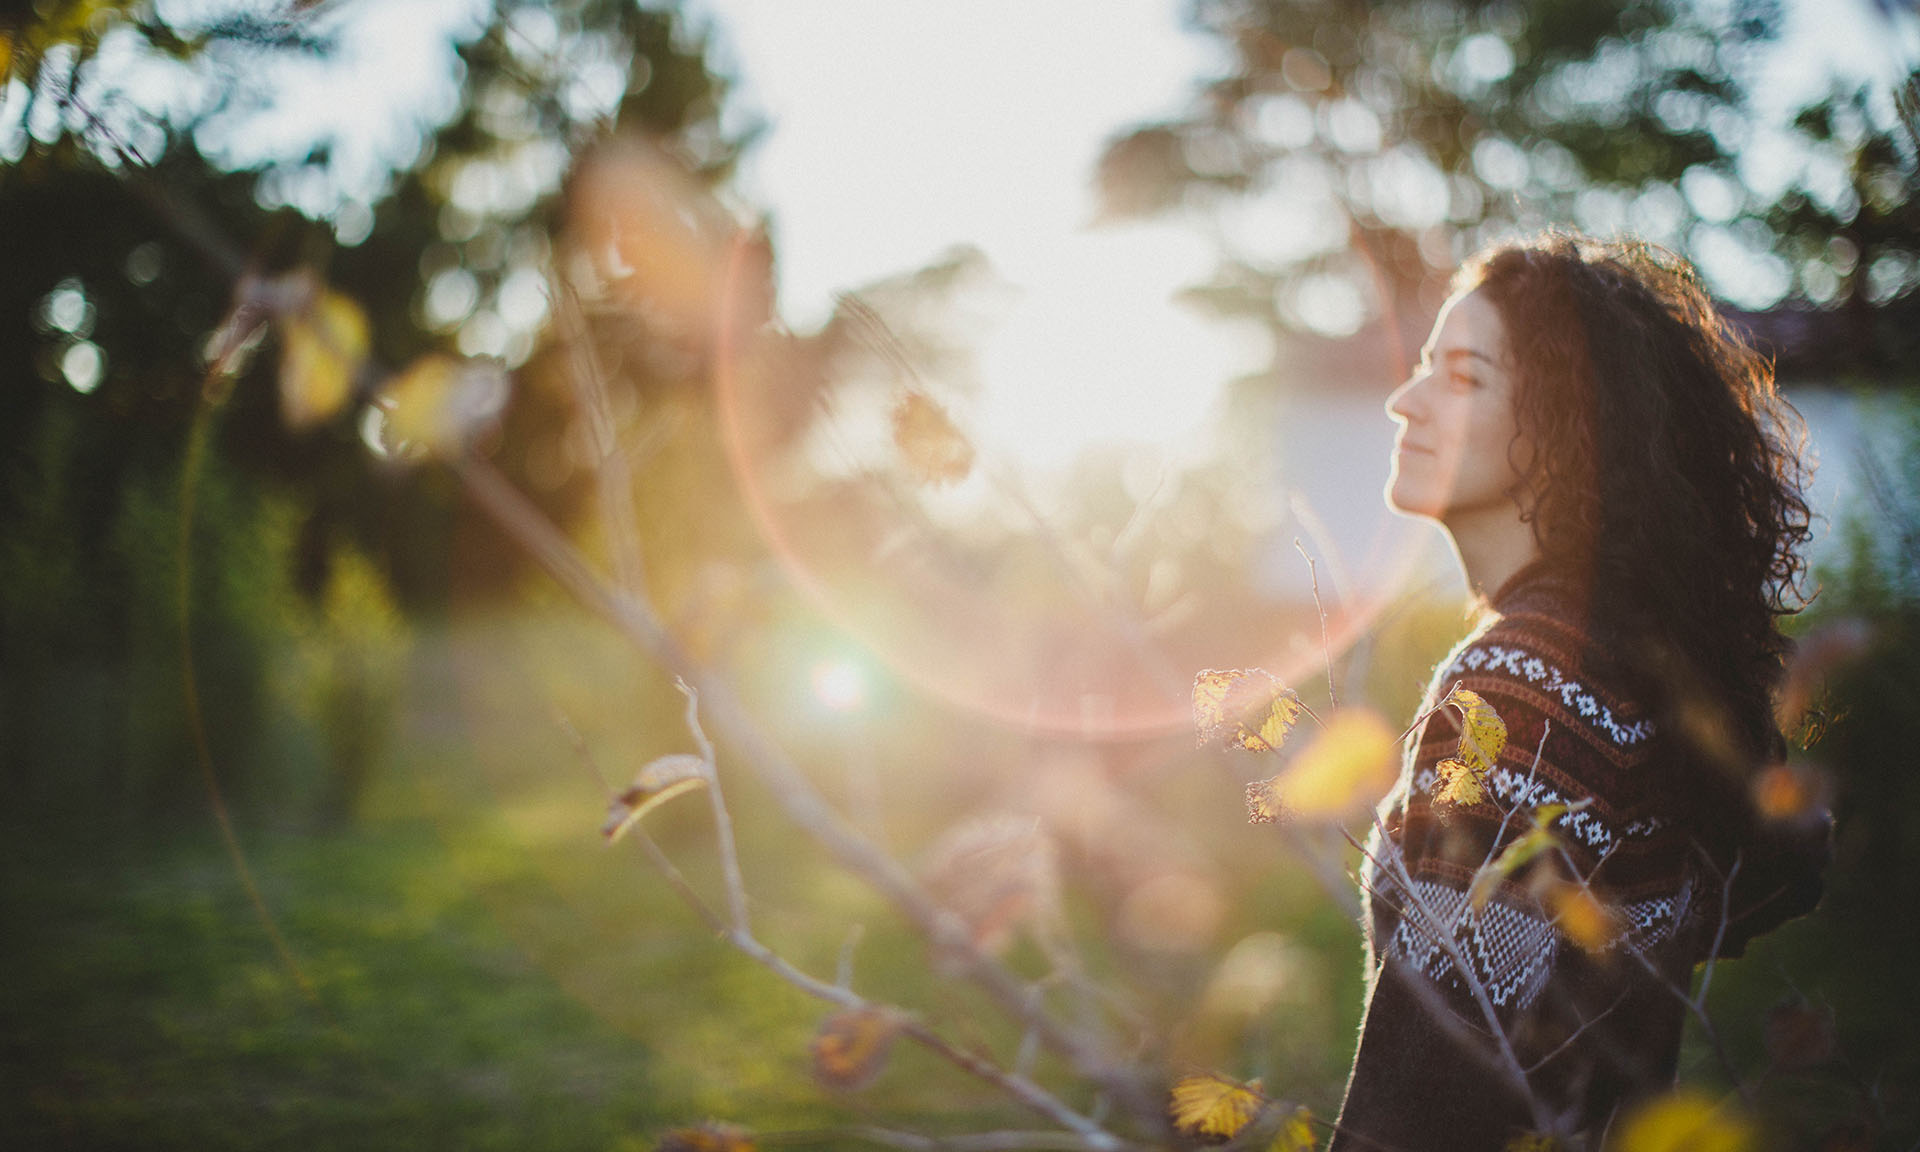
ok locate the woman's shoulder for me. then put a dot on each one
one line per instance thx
(1537, 655)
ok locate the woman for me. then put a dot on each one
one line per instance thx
(1611, 465)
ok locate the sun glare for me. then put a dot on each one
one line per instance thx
(1097, 350)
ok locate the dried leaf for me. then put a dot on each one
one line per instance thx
(1213, 1105)
(1265, 802)
(439, 402)
(851, 1047)
(933, 447)
(709, 1137)
(1458, 785)
(995, 873)
(321, 350)
(1245, 708)
(1582, 917)
(1686, 1121)
(1483, 735)
(657, 783)
(1296, 1133)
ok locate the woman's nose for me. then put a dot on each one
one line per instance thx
(1403, 402)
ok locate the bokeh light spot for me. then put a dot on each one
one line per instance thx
(841, 685)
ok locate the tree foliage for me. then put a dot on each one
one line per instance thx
(1356, 152)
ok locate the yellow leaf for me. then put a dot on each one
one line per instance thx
(851, 1047)
(1348, 765)
(708, 1137)
(1686, 1121)
(6, 55)
(932, 446)
(1212, 1105)
(1245, 708)
(1582, 917)
(1532, 1142)
(1296, 1133)
(1483, 735)
(657, 783)
(321, 351)
(1459, 785)
(438, 402)
(1512, 858)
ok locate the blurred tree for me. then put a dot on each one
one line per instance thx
(133, 206)
(1355, 152)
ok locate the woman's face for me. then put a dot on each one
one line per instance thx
(1453, 457)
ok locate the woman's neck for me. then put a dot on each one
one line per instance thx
(1492, 550)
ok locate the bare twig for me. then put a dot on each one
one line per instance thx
(1326, 645)
(1430, 924)
(797, 796)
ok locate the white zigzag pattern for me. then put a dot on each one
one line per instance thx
(1512, 951)
(1520, 663)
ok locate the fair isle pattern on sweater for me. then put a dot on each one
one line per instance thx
(1574, 740)
(1518, 661)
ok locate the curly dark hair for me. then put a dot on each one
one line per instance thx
(1663, 470)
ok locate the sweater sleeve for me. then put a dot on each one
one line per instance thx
(1585, 1017)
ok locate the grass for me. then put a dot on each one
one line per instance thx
(143, 1008)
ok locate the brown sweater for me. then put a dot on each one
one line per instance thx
(1595, 1027)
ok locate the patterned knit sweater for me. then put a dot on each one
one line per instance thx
(1595, 1024)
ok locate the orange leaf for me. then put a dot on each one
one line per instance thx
(1213, 1105)
(1585, 920)
(851, 1047)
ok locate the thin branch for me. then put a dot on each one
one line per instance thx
(1444, 940)
(722, 818)
(1720, 931)
(795, 793)
(673, 876)
(1326, 645)
(1505, 1061)
(1546, 727)
(1577, 1033)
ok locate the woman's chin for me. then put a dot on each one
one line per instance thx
(1421, 505)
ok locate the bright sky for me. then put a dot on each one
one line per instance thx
(901, 129)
